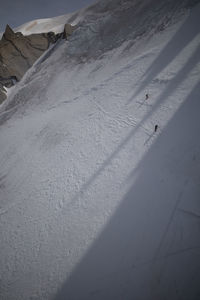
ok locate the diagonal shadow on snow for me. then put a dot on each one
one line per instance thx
(134, 257)
(171, 87)
(188, 31)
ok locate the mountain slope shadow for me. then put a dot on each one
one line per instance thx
(139, 255)
(186, 33)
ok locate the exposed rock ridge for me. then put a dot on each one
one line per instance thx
(18, 53)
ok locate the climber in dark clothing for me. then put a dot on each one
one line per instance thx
(147, 96)
(155, 128)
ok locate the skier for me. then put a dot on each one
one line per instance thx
(155, 128)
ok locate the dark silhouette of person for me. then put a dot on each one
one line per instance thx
(156, 127)
(147, 96)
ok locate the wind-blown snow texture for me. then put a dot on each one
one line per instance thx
(93, 203)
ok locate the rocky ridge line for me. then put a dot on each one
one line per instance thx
(18, 53)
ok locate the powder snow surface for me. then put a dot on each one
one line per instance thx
(93, 203)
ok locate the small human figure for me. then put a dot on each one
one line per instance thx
(155, 128)
(147, 96)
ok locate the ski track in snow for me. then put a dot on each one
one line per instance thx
(93, 203)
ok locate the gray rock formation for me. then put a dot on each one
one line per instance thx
(2, 93)
(18, 53)
(68, 30)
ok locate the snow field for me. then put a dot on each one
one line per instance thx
(90, 196)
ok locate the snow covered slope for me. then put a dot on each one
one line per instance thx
(55, 24)
(93, 203)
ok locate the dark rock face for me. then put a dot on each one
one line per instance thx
(18, 53)
(68, 30)
(2, 93)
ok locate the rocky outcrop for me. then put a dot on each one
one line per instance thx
(18, 53)
(68, 30)
(2, 93)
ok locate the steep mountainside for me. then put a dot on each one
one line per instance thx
(100, 159)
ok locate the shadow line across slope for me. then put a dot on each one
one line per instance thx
(132, 251)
